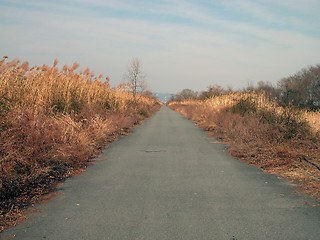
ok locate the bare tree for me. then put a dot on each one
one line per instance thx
(301, 89)
(184, 94)
(135, 76)
(213, 90)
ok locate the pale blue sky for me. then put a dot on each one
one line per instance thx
(181, 43)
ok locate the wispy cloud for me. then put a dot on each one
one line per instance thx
(183, 44)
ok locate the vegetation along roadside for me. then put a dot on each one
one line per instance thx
(277, 134)
(53, 122)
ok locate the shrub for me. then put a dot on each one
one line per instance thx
(244, 106)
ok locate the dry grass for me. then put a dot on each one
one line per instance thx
(279, 140)
(52, 124)
(313, 119)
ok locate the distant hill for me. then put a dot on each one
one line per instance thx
(162, 97)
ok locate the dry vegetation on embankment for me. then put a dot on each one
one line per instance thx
(52, 123)
(283, 141)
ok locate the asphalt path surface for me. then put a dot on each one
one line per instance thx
(169, 181)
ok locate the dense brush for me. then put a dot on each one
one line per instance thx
(283, 140)
(52, 123)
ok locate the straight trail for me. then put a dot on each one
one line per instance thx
(168, 180)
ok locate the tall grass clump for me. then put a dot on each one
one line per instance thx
(281, 139)
(52, 123)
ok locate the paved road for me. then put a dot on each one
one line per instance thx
(168, 181)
